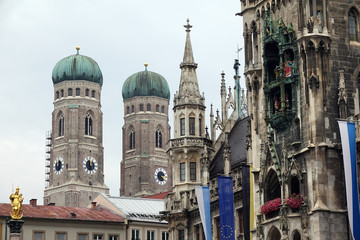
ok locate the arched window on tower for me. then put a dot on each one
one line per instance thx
(62, 92)
(57, 94)
(87, 92)
(182, 126)
(61, 125)
(158, 138)
(353, 25)
(148, 107)
(132, 139)
(77, 91)
(141, 107)
(88, 125)
(192, 126)
(93, 93)
(162, 109)
(157, 108)
(70, 92)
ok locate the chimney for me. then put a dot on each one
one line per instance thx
(93, 205)
(33, 202)
(51, 204)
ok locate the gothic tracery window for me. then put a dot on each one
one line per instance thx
(88, 125)
(158, 138)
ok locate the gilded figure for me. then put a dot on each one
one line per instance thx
(16, 200)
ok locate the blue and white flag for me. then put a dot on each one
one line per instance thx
(226, 208)
(203, 199)
(347, 132)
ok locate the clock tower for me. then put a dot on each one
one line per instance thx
(76, 155)
(145, 167)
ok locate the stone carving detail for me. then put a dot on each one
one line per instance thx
(198, 142)
(305, 219)
(341, 88)
(259, 227)
(284, 225)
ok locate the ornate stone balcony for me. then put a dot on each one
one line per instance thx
(190, 142)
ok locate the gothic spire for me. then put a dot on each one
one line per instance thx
(188, 88)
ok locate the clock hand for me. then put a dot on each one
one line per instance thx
(163, 177)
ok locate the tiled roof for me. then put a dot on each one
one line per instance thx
(157, 195)
(64, 213)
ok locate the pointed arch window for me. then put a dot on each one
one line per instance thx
(61, 125)
(272, 186)
(132, 139)
(158, 138)
(88, 125)
(57, 94)
(62, 92)
(93, 93)
(182, 126)
(192, 126)
(353, 25)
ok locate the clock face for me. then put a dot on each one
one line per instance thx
(90, 165)
(58, 165)
(160, 176)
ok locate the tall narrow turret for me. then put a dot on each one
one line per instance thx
(188, 88)
(190, 149)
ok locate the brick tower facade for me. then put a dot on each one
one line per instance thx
(145, 168)
(77, 158)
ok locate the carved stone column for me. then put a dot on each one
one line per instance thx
(15, 229)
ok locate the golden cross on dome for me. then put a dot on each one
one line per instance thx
(187, 26)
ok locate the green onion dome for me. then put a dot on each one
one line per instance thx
(146, 83)
(77, 67)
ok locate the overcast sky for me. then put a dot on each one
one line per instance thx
(120, 36)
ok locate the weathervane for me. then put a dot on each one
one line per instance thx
(188, 26)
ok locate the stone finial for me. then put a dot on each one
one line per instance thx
(188, 26)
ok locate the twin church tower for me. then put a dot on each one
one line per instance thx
(152, 162)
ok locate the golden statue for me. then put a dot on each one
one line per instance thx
(16, 200)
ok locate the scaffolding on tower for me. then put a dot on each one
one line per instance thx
(48, 143)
